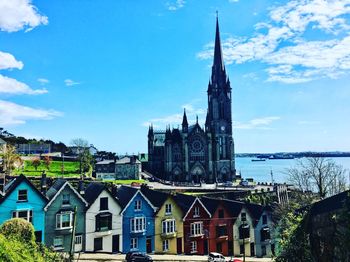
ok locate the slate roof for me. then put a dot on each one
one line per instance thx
(125, 194)
(329, 204)
(17, 181)
(126, 160)
(184, 201)
(211, 204)
(157, 198)
(105, 162)
(55, 188)
(93, 190)
(234, 207)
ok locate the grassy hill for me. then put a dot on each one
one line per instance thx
(71, 169)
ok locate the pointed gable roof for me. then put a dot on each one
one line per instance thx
(15, 183)
(94, 189)
(57, 188)
(184, 201)
(194, 202)
(157, 198)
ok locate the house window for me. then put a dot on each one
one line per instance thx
(168, 226)
(78, 239)
(165, 245)
(168, 209)
(65, 199)
(103, 221)
(58, 242)
(197, 229)
(104, 203)
(221, 213)
(264, 219)
(243, 216)
(265, 233)
(221, 231)
(22, 195)
(138, 205)
(138, 224)
(133, 243)
(64, 220)
(193, 246)
(244, 231)
(196, 212)
(24, 214)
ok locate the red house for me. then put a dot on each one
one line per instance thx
(196, 229)
(223, 215)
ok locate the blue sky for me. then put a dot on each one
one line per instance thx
(103, 70)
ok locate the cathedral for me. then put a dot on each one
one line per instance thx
(195, 153)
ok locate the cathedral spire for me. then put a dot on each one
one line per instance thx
(184, 122)
(218, 60)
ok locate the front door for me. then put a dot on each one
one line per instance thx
(206, 250)
(149, 245)
(252, 250)
(179, 245)
(115, 244)
(98, 244)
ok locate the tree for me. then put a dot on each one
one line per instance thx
(84, 156)
(318, 175)
(11, 159)
(47, 162)
(36, 163)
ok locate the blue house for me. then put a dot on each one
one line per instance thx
(22, 200)
(138, 220)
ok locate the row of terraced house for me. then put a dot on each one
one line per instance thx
(127, 219)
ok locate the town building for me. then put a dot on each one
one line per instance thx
(65, 204)
(138, 220)
(105, 170)
(103, 220)
(33, 148)
(168, 222)
(195, 153)
(128, 167)
(22, 200)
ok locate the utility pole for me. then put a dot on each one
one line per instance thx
(71, 252)
(243, 241)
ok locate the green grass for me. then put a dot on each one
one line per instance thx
(71, 169)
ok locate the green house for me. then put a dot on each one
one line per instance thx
(59, 217)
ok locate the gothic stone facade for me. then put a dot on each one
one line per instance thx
(194, 153)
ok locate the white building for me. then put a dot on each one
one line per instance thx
(103, 220)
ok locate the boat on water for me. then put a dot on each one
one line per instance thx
(258, 160)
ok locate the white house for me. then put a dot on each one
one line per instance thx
(103, 220)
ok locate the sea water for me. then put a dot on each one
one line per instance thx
(260, 171)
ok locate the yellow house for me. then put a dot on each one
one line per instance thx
(243, 234)
(169, 228)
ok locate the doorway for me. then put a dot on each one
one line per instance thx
(149, 245)
(115, 244)
(179, 245)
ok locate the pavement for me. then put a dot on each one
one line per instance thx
(96, 257)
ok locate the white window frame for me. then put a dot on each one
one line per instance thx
(197, 229)
(134, 243)
(193, 246)
(168, 209)
(137, 224)
(168, 226)
(165, 245)
(196, 212)
(59, 220)
(137, 205)
(29, 217)
(78, 240)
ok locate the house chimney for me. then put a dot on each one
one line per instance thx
(81, 188)
(43, 183)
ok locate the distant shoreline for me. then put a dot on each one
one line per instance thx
(282, 155)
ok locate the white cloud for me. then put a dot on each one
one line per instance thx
(8, 61)
(256, 123)
(233, 1)
(14, 87)
(16, 15)
(70, 82)
(14, 114)
(283, 46)
(43, 81)
(175, 5)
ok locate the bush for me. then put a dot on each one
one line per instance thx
(18, 229)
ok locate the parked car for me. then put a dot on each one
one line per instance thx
(216, 257)
(235, 260)
(137, 257)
